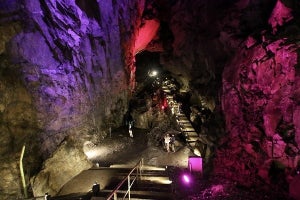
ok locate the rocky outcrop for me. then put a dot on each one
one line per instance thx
(67, 162)
(202, 36)
(10, 184)
(260, 104)
(68, 68)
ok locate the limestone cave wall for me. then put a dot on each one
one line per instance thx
(67, 69)
(260, 102)
(247, 54)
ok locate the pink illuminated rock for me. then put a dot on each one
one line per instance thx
(145, 34)
(280, 15)
(250, 42)
(260, 92)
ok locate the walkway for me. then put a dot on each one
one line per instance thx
(189, 133)
(152, 182)
(156, 184)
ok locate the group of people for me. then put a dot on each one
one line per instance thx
(169, 142)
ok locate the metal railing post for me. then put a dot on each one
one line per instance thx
(22, 172)
(141, 167)
(113, 194)
(137, 173)
(129, 187)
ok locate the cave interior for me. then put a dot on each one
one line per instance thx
(74, 74)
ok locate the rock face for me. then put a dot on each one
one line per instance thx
(71, 62)
(68, 69)
(67, 162)
(260, 103)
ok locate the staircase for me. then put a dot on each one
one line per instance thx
(151, 183)
(189, 133)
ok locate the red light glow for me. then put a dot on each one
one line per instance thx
(145, 34)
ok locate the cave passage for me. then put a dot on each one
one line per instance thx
(87, 84)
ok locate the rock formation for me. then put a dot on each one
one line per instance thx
(67, 72)
(63, 72)
(260, 105)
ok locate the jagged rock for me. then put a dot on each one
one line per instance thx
(63, 69)
(66, 162)
(280, 15)
(257, 90)
(143, 120)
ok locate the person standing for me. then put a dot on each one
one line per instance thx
(172, 143)
(96, 189)
(47, 196)
(130, 128)
(167, 140)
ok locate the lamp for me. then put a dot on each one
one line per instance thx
(152, 73)
(186, 180)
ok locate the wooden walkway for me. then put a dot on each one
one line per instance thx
(189, 133)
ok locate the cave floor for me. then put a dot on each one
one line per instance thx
(120, 149)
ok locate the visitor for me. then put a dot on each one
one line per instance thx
(128, 118)
(47, 196)
(172, 110)
(130, 129)
(172, 143)
(96, 189)
(167, 140)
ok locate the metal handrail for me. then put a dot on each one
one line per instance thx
(138, 168)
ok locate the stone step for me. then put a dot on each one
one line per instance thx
(185, 125)
(138, 195)
(144, 167)
(187, 129)
(184, 120)
(180, 116)
(191, 139)
(191, 134)
(145, 171)
(167, 91)
(155, 178)
(158, 185)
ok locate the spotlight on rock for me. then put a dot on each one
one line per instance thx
(197, 152)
